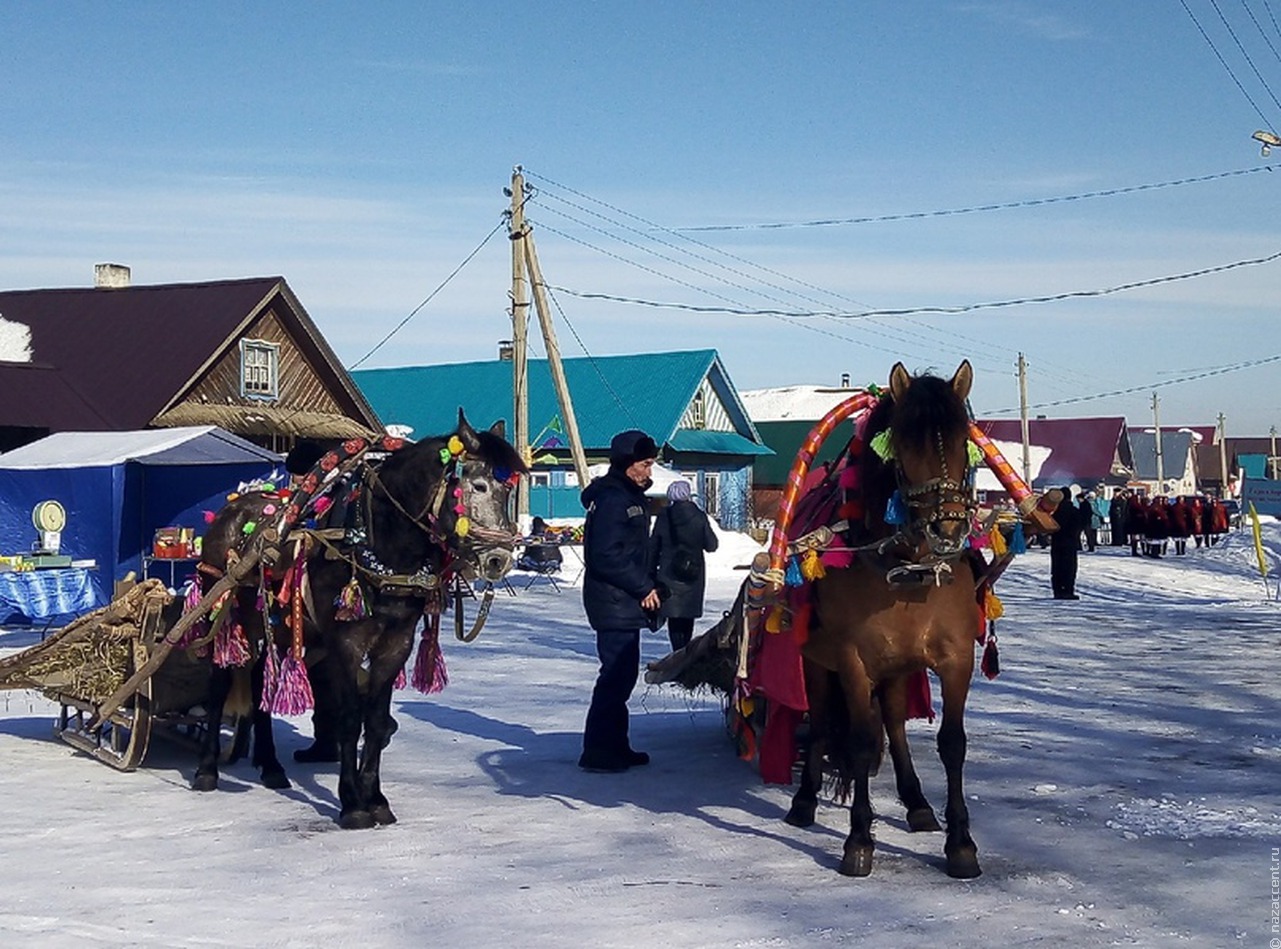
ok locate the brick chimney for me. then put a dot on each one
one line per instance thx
(110, 276)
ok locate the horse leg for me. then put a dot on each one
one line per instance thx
(863, 748)
(959, 848)
(805, 800)
(920, 816)
(206, 777)
(379, 724)
(343, 669)
(273, 774)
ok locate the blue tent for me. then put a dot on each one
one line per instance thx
(118, 488)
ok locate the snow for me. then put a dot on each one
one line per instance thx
(1122, 781)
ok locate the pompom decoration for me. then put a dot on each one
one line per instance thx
(895, 509)
(321, 505)
(976, 540)
(997, 540)
(445, 456)
(458, 491)
(880, 444)
(209, 517)
(462, 527)
(460, 508)
(269, 510)
(974, 453)
(270, 677)
(793, 576)
(250, 527)
(1018, 543)
(455, 445)
(812, 566)
(991, 664)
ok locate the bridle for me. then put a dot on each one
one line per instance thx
(936, 503)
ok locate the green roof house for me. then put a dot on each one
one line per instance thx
(684, 400)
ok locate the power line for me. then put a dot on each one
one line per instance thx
(414, 312)
(963, 308)
(1002, 206)
(1214, 49)
(1222, 370)
(1240, 46)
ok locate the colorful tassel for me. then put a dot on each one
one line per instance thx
(191, 599)
(401, 679)
(991, 664)
(973, 454)
(430, 674)
(1018, 543)
(350, 602)
(774, 620)
(792, 577)
(997, 540)
(880, 444)
(293, 695)
(812, 566)
(895, 509)
(231, 646)
(992, 605)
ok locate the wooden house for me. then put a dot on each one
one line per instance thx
(239, 354)
(684, 400)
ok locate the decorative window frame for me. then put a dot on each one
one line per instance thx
(698, 409)
(268, 389)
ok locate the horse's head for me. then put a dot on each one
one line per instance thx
(928, 444)
(477, 510)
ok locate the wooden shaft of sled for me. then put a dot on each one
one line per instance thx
(800, 469)
(1022, 495)
(235, 573)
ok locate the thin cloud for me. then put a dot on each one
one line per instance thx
(1048, 26)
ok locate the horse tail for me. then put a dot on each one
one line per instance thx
(841, 741)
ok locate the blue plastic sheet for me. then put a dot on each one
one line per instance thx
(38, 596)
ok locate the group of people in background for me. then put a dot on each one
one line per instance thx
(1148, 525)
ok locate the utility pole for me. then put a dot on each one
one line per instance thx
(1272, 457)
(520, 324)
(526, 272)
(1027, 451)
(1223, 455)
(1160, 461)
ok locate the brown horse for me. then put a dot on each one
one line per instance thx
(906, 604)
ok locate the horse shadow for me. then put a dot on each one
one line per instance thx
(543, 765)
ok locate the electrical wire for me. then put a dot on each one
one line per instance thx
(1214, 49)
(414, 312)
(1263, 33)
(1241, 47)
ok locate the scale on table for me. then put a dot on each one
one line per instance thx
(49, 518)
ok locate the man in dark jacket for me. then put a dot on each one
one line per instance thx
(618, 592)
(1064, 544)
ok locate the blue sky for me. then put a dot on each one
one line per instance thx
(362, 155)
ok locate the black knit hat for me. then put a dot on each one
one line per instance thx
(631, 446)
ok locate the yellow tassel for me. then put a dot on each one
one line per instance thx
(812, 565)
(999, 547)
(747, 705)
(992, 605)
(774, 620)
(455, 445)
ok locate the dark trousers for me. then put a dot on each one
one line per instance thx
(606, 729)
(680, 630)
(1062, 572)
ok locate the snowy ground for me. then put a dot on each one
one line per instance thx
(1124, 776)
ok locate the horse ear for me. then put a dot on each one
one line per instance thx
(963, 379)
(899, 381)
(467, 434)
(499, 428)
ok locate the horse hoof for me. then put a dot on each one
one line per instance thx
(203, 781)
(381, 813)
(356, 820)
(276, 779)
(922, 820)
(963, 864)
(801, 815)
(857, 862)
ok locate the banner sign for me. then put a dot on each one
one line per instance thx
(1263, 494)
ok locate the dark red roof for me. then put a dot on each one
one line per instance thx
(118, 356)
(1082, 450)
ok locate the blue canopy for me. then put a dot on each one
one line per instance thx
(118, 488)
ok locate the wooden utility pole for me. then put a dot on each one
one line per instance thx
(526, 273)
(1272, 457)
(1027, 451)
(1223, 455)
(520, 324)
(1160, 460)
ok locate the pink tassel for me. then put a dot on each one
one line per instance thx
(350, 602)
(401, 680)
(231, 647)
(293, 689)
(430, 674)
(270, 677)
(200, 627)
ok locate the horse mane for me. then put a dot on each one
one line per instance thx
(929, 407)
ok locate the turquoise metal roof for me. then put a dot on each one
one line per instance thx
(649, 391)
(716, 443)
